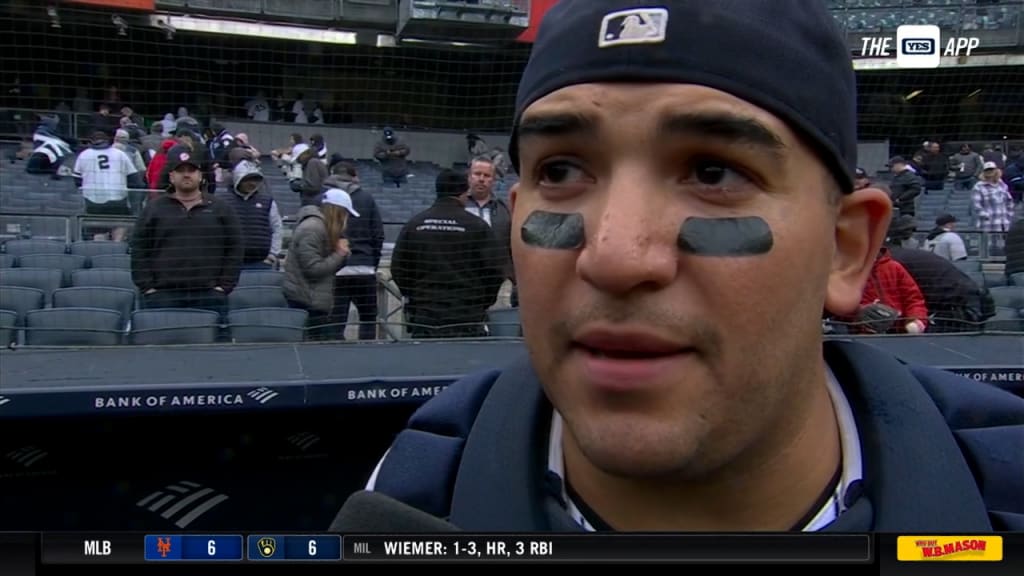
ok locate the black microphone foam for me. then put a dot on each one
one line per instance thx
(367, 511)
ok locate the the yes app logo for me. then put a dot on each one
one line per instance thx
(917, 46)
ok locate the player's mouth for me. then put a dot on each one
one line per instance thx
(619, 360)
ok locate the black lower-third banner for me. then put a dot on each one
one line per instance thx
(696, 548)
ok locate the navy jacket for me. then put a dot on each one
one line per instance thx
(940, 453)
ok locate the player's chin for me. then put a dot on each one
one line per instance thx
(640, 446)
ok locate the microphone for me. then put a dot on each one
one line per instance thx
(367, 511)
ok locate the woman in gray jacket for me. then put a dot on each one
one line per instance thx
(316, 253)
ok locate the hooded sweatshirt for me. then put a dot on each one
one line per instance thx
(156, 166)
(257, 214)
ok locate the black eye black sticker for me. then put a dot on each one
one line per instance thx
(749, 236)
(553, 230)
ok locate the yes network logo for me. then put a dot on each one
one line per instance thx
(917, 46)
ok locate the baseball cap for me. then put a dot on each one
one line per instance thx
(989, 166)
(944, 219)
(897, 160)
(179, 156)
(339, 197)
(584, 41)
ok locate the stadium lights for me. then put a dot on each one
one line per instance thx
(429, 42)
(973, 94)
(913, 95)
(257, 29)
(120, 24)
(54, 15)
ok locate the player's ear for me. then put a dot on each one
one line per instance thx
(512, 194)
(861, 224)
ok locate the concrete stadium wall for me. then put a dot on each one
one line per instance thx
(441, 148)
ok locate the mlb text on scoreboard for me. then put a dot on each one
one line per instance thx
(918, 46)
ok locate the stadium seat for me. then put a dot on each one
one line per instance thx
(1005, 320)
(93, 248)
(174, 326)
(23, 247)
(260, 278)
(21, 299)
(504, 322)
(113, 277)
(8, 261)
(1008, 296)
(45, 279)
(120, 299)
(73, 327)
(256, 297)
(994, 279)
(8, 327)
(66, 263)
(1017, 279)
(968, 266)
(123, 261)
(267, 324)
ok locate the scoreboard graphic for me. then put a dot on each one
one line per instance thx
(896, 554)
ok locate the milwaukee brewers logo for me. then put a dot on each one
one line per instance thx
(267, 547)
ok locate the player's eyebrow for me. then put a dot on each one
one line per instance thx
(727, 128)
(556, 124)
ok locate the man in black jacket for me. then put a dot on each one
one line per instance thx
(905, 186)
(356, 282)
(186, 246)
(448, 265)
(955, 302)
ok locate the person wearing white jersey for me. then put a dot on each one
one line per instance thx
(104, 174)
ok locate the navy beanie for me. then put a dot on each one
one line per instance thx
(451, 183)
(785, 56)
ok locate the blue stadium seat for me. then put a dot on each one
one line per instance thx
(1008, 296)
(1005, 319)
(994, 279)
(123, 261)
(267, 324)
(504, 323)
(20, 300)
(7, 261)
(91, 248)
(8, 327)
(24, 247)
(245, 297)
(45, 279)
(174, 326)
(120, 299)
(113, 277)
(261, 278)
(73, 327)
(66, 263)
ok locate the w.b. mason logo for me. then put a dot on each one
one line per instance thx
(634, 26)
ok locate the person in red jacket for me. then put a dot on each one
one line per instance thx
(156, 165)
(890, 284)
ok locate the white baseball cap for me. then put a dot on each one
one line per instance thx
(989, 166)
(341, 198)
